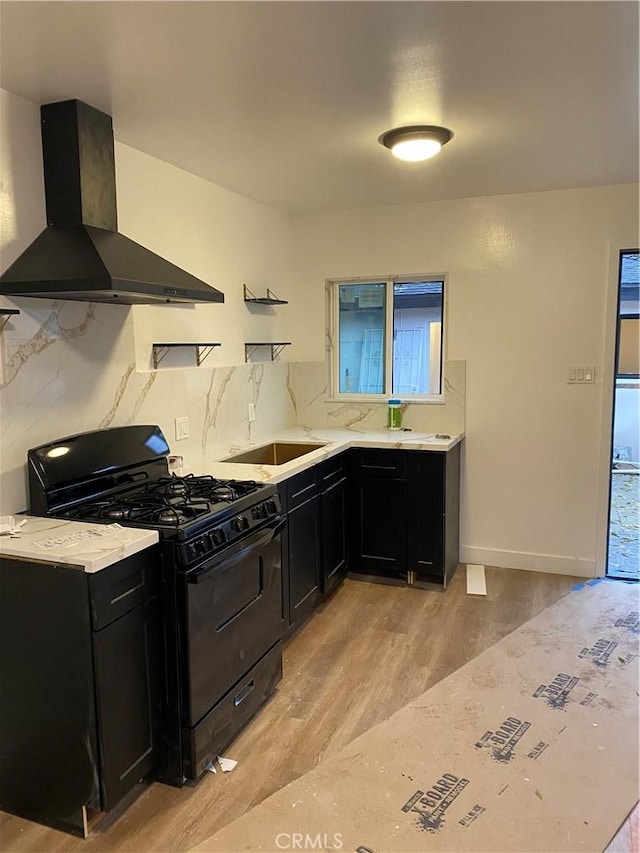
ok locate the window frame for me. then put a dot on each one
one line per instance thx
(332, 289)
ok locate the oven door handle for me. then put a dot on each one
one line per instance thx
(262, 537)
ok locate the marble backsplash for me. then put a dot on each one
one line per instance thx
(69, 367)
(308, 383)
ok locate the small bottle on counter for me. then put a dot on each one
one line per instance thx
(395, 414)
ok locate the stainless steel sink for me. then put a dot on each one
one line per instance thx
(276, 453)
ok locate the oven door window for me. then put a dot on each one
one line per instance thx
(232, 618)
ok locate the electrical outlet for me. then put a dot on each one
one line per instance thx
(182, 428)
(252, 412)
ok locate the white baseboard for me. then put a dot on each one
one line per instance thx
(551, 563)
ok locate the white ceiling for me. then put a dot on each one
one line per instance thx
(283, 101)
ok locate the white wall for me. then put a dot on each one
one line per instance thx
(529, 277)
(72, 366)
(217, 235)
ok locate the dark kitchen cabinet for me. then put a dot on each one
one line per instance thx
(405, 511)
(300, 548)
(314, 544)
(80, 676)
(127, 673)
(304, 579)
(382, 513)
(378, 497)
(48, 742)
(433, 518)
(333, 522)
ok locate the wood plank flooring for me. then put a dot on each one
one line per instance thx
(365, 654)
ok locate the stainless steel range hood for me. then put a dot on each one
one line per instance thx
(81, 255)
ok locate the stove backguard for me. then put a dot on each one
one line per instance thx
(83, 467)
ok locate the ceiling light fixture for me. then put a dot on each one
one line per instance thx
(415, 142)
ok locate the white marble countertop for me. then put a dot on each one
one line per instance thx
(88, 547)
(92, 547)
(334, 440)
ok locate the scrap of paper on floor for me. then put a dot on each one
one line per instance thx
(476, 582)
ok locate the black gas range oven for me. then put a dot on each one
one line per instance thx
(221, 602)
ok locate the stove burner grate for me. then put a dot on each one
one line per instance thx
(172, 501)
(204, 487)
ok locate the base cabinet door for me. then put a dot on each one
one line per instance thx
(333, 505)
(425, 519)
(433, 518)
(304, 580)
(378, 526)
(128, 698)
(314, 542)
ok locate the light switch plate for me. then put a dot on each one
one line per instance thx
(581, 374)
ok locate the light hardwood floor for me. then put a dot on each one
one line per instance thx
(370, 650)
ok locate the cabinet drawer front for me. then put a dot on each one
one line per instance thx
(370, 462)
(119, 588)
(331, 471)
(302, 487)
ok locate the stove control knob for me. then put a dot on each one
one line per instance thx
(217, 537)
(240, 523)
(272, 507)
(259, 511)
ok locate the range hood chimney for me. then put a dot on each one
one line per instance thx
(81, 255)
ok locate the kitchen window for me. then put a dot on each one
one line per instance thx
(387, 338)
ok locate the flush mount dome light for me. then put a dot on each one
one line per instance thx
(416, 142)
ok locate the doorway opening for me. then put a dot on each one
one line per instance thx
(623, 541)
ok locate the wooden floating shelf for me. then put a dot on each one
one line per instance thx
(276, 348)
(5, 314)
(202, 351)
(269, 299)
